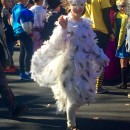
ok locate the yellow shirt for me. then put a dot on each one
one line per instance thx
(94, 12)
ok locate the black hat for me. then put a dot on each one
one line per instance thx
(30, 2)
(52, 4)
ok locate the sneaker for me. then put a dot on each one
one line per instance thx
(29, 74)
(101, 90)
(24, 76)
(19, 110)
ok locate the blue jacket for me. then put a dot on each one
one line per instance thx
(20, 13)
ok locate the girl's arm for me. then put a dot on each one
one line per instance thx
(122, 31)
(63, 22)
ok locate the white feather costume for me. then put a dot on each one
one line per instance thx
(69, 63)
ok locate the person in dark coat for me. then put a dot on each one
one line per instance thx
(5, 91)
(51, 17)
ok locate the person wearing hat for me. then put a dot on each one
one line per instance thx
(51, 17)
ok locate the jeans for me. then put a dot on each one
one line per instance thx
(26, 51)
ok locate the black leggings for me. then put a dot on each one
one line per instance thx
(102, 40)
(26, 51)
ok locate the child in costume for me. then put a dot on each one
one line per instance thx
(121, 19)
(69, 62)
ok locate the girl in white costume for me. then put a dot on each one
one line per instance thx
(69, 62)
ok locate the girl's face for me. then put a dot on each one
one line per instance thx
(123, 8)
(77, 10)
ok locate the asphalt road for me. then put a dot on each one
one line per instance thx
(111, 111)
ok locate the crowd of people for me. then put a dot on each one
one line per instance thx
(71, 46)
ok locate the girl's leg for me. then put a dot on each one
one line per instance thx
(71, 114)
(123, 63)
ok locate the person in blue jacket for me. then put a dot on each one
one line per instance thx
(22, 20)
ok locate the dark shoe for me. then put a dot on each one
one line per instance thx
(19, 110)
(121, 86)
(101, 90)
(72, 128)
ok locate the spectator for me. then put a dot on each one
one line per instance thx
(121, 20)
(51, 18)
(10, 38)
(22, 20)
(98, 12)
(112, 72)
(39, 20)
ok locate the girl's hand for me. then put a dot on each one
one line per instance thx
(63, 22)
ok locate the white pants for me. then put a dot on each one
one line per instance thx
(71, 114)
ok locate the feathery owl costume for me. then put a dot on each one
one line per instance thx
(69, 63)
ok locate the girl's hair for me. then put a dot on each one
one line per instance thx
(66, 5)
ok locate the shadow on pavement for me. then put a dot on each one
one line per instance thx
(60, 124)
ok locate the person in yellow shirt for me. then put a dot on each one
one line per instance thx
(98, 12)
(121, 19)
